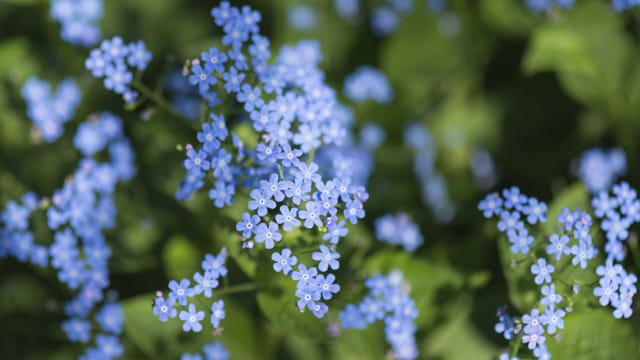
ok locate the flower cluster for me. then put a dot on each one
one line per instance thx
(599, 168)
(546, 5)
(298, 121)
(213, 268)
(213, 351)
(388, 301)
(48, 111)
(15, 238)
(79, 20)
(618, 213)
(574, 239)
(506, 324)
(398, 229)
(386, 15)
(368, 83)
(434, 187)
(79, 213)
(114, 60)
(513, 209)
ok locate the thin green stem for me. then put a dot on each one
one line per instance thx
(236, 289)
(156, 98)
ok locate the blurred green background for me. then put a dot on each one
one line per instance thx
(535, 90)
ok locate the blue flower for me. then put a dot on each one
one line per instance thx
(509, 221)
(336, 231)
(191, 319)
(326, 258)
(520, 240)
(542, 270)
(536, 211)
(215, 351)
(287, 218)
(180, 291)
(603, 204)
(77, 330)
(311, 215)
(248, 224)
(233, 80)
(622, 307)
(213, 60)
(217, 313)
(551, 298)
(110, 317)
(250, 97)
(282, 262)
(582, 253)
(79, 20)
(268, 234)
(139, 56)
(533, 329)
(215, 264)
(261, 202)
(110, 346)
(205, 283)
(327, 287)
(201, 78)
(505, 324)
(553, 319)
(307, 296)
(221, 194)
(354, 211)
(197, 160)
(558, 246)
(352, 318)
(568, 218)
(616, 227)
(599, 168)
(491, 205)
(368, 83)
(304, 275)
(513, 199)
(606, 291)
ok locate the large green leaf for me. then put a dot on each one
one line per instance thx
(457, 338)
(181, 258)
(367, 344)
(596, 335)
(590, 52)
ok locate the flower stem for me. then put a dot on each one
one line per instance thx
(155, 97)
(236, 289)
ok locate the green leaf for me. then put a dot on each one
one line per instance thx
(591, 53)
(507, 16)
(523, 293)
(181, 258)
(596, 335)
(279, 306)
(457, 338)
(21, 292)
(363, 344)
(420, 60)
(156, 339)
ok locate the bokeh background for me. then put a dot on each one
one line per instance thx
(509, 96)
